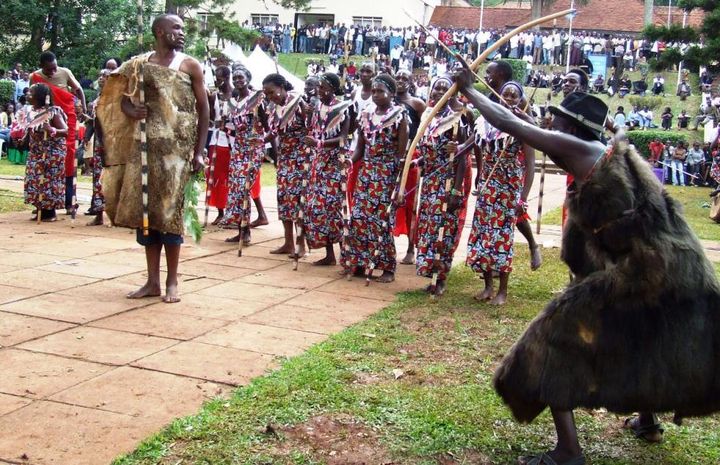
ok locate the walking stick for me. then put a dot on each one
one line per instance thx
(246, 206)
(300, 218)
(441, 232)
(541, 193)
(73, 201)
(346, 216)
(473, 66)
(143, 126)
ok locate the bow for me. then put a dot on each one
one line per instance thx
(475, 64)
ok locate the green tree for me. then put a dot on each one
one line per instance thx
(80, 32)
(709, 33)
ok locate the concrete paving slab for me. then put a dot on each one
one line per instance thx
(13, 293)
(309, 319)
(332, 302)
(211, 362)
(57, 434)
(216, 307)
(10, 403)
(45, 281)
(22, 259)
(263, 339)
(155, 321)
(246, 261)
(15, 329)
(91, 269)
(204, 269)
(284, 276)
(99, 345)
(239, 290)
(79, 307)
(142, 393)
(36, 375)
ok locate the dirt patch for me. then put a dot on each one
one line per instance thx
(446, 346)
(334, 440)
(463, 458)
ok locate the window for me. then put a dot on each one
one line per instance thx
(371, 21)
(264, 19)
(203, 20)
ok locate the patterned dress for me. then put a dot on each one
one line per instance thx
(220, 143)
(246, 160)
(435, 173)
(45, 169)
(293, 155)
(370, 227)
(97, 203)
(324, 207)
(490, 246)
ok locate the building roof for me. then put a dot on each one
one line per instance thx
(597, 15)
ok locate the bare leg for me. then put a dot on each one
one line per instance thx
(172, 256)
(287, 246)
(262, 217)
(535, 256)
(221, 213)
(386, 277)
(409, 258)
(486, 293)
(567, 447)
(329, 259)
(98, 221)
(501, 295)
(152, 287)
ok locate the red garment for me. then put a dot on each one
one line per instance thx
(656, 149)
(352, 180)
(408, 209)
(255, 189)
(219, 189)
(66, 101)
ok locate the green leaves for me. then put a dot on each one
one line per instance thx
(191, 220)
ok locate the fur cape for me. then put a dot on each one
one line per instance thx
(171, 135)
(639, 327)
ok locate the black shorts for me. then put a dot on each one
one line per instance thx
(157, 237)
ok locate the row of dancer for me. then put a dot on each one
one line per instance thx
(338, 165)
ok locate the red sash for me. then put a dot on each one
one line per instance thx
(66, 101)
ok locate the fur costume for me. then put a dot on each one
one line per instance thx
(171, 136)
(639, 328)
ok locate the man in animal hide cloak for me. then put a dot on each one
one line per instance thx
(638, 330)
(177, 114)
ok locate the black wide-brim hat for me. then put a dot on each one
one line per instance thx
(585, 109)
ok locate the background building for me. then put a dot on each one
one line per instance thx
(385, 13)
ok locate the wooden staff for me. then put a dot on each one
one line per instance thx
(346, 215)
(437, 259)
(299, 238)
(541, 193)
(73, 201)
(246, 206)
(143, 126)
(475, 64)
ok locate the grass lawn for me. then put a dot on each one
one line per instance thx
(695, 203)
(268, 175)
(10, 169)
(410, 385)
(11, 202)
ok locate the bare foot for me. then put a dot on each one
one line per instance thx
(283, 249)
(440, 288)
(148, 290)
(408, 259)
(486, 294)
(327, 261)
(98, 221)
(217, 220)
(499, 299)
(386, 277)
(345, 272)
(262, 221)
(171, 294)
(535, 258)
(246, 238)
(235, 238)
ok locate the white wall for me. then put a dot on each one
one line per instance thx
(343, 11)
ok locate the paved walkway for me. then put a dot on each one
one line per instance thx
(87, 373)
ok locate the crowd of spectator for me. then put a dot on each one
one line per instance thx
(684, 165)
